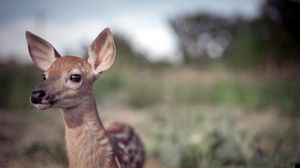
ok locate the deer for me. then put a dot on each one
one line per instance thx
(68, 86)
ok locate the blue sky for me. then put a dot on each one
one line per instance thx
(67, 24)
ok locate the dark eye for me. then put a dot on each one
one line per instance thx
(75, 78)
(43, 76)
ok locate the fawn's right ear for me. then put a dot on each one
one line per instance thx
(42, 53)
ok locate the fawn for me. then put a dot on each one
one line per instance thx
(68, 85)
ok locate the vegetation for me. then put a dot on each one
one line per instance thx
(271, 39)
(201, 136)
(17, 82)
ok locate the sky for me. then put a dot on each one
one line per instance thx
(68, 24)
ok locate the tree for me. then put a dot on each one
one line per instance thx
(271, 39)
(283, 26)
(202, 35)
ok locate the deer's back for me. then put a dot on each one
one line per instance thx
(127, 145)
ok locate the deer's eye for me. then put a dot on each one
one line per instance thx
(44, 77)
(75, 78)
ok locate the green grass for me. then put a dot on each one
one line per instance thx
(47, 152)
(144, 94)
(285, 94)
(108, 83)
(250, 95)
(201, 136)
(154, 89)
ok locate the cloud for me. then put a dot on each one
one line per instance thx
(150, 36)
(12, 41)
(63, 36)
(148, 33)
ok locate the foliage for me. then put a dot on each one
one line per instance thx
(286, 14)
(51, 153)
(126, 54)
(17, 82)
(108, 83)
(201, 35)
(144, 94)
(247, 47)
(271, 39)
(285, 94)
(198, 136)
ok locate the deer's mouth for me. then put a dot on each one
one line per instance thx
(46, 104)
(42, 106)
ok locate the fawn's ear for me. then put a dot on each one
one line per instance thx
(102, 52)
(42, 53)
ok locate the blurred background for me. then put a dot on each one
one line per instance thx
(207, 83)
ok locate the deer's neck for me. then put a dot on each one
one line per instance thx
(87, 143)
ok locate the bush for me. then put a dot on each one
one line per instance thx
(108, 83)
(284, 94)
(48, 153)
(198, 136)
(144, 94)
(17, 82)
(238, 93)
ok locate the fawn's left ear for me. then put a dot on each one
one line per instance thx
(42, 53)
(102, 52)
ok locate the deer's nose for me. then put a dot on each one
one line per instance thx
(37, 96)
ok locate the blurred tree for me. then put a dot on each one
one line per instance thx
(270, 40)
(285, 13)
(17, 82)
(282, 22)
(126, 53)
(202, 35)
(248, 45)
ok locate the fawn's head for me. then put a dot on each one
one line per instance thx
(68, 79)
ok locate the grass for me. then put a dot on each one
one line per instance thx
(285, 94)
(201, 136)
(146, 87)
(250, 95)
(47, 152)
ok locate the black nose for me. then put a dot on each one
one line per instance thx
(37, 96)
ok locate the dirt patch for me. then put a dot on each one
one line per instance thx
(24, 140)
(12, 130)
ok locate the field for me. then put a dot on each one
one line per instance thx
(187, 117)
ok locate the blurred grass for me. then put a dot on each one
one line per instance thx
(47, 152)
(145, 87)
(201, 136)
(285, 94)
(250, 95)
